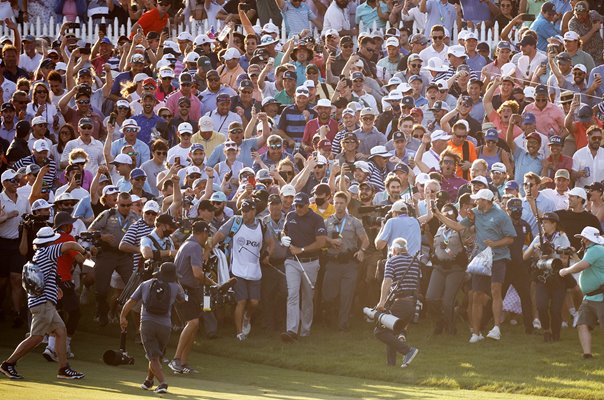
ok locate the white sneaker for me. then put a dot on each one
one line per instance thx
(536, 323)
(49, 355)
(494, 333)
(564, 324)
(241, 337)
(246, 327)
(476, 338)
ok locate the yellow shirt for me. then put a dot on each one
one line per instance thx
(329, 211)
(210, 144)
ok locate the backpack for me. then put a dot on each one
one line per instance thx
(32, 279)
(158, 299)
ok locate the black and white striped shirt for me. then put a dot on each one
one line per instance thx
(49, 178)
(396, 268)
(46, 259)
(133, 236)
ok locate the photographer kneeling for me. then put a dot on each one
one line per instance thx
(398, 296)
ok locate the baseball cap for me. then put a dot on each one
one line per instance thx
(562, 173)
(218, 197)
(577, 191)
(301, 198)
(439, 135)
(491, 134)
(122, 159)
(599, 186)
(584, 113)
(151, 205)
(166, 219)
(40, 204)
(290, 75)
(480, 179)
(534, 136)
(110, 189)
(484, 194)
(38, 120)
(529, 119)
(137, 173)
(556, 140)
(571, 36)
(512, 185)
(41, 145)
(32, 169)
(499, 167)
(399, 206)
(8, 175)
(185, 127)
(288, 190)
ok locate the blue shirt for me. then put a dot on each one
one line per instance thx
(296, 18)
(475, 11)
(405, 227)
(592, 277)
(476, 63)
(118, 80)
(140, 147)
(208, 98)
(292, 121)
(125, 185)
(494, 225)
(367, 15)
(544, 205)
(438, 13)
(545, 29)
(245, 152)
(526, 163)
(597, 70)
(146, 125)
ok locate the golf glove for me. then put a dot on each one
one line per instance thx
(286, 241)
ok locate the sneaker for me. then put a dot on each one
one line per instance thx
(175, 366)
(536, 323)
(241, 337)
(289, 337)
(409, 357)
(10, 371)
(49, 355)
(564, 324)
(147, 385)
(476, 338)
(69, 354)
(494, 333)
(68, 373)
(188, 370)
(247, 325)
(161, 388)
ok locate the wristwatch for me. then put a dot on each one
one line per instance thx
(302, 249)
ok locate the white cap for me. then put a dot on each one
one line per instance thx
(41, 145)
(529, 92)
(61, 66)
(484, 194)
(309, 83)
(581, 67)
(134, 198)
(231, 53)
(192, 57)
(577, 191)
(437, 65)
(442, 84)
(392, 41)
(324, 103)
(184, 36)
(129, 123)
(422, 178)
(140, 77)
(166, 72)
(269, 27)
(288, 190)
(172, 45)
(394, 81)
(592, 234)
(122, 103)
(394, 95)
(321, 160)
(151, 205)
(122, 159)
(38, 120)
(65, 196)
(368, 111)
(499, 167)
(457, 51)
(185, 127)
(193, 170)
(40, 204)
(471, 35)
(206, 124)
(331, 32)
(379, 151)
(202, 39)
(302, 91)
(8, 175)
(480, 179)
(404, 87)
(571, 35)
(439, 135)
(362, 165)
(110, 189)
(399, 206)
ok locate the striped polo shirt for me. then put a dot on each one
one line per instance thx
(46, 258)
(49, 178)
(401, 266)
(133, 236)
(292, 121)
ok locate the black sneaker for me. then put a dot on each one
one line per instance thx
(10, 371)
(409, 357)
(68, 373)
(289, 337)
(147, 385)
(161, 388)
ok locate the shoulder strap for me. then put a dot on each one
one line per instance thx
(155, 243)
(465, 148)
(236, 226)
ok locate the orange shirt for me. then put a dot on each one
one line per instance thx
(459, 151)
(151, 21)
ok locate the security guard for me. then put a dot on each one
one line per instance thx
(347, 241)
(112, 224)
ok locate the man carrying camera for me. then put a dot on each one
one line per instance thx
(112, 225)
(131, 241)
(591, 282)
(398, 297)
(189, 268)
(347, 243)
(45, 318)
(12, 206)
(156, 319)
(157, 246)
(247, 251)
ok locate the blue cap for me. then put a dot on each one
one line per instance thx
(106, 40)
(529, 119)
(137, 173)
(301, 198)
(195, 147)
(556, 140)
(219, 197)
(491, 134)
(414, 78)
(401, 167)
(511, 185)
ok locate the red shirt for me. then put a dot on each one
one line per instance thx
(65, 261)
(313, 126)
(151, 21)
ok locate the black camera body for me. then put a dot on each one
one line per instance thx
(90, 239)
(30, 219)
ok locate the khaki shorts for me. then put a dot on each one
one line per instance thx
(45, 319)
(590, 313)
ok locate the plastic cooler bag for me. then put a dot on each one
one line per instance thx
(482, 263)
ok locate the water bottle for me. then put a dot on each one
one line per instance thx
(206, 303)
(587, 172)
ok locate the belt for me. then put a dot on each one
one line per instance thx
(303, 259)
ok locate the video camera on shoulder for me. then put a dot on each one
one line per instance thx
(89, 239)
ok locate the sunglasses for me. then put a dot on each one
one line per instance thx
(276, 146)
(41, 92)
(126, 205)
(165, 116)
(368, 118)
(132, 153)
(85, 127)
(140, 178)
(461, 136)
(216, 203)
(449, 162)
(130, 130)
(123, 108)
(149, 87)
(438, 37)
(236, 131)
(161, 153)
(83, 101)
(321, 166)
(246, 92)
(14, 181)
(415, 65)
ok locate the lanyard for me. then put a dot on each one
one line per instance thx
(124, 227)
(341, 225)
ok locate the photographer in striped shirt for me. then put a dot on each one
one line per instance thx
(43, 308)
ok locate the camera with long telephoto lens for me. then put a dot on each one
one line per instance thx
(383, 319)
(372, 216)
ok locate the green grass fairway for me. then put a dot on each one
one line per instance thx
(219, 378)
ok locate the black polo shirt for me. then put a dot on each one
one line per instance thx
(304, 230)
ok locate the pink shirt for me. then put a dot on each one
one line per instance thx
(551, 117)
(172, 104)
(313, 126)
(501, 128)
